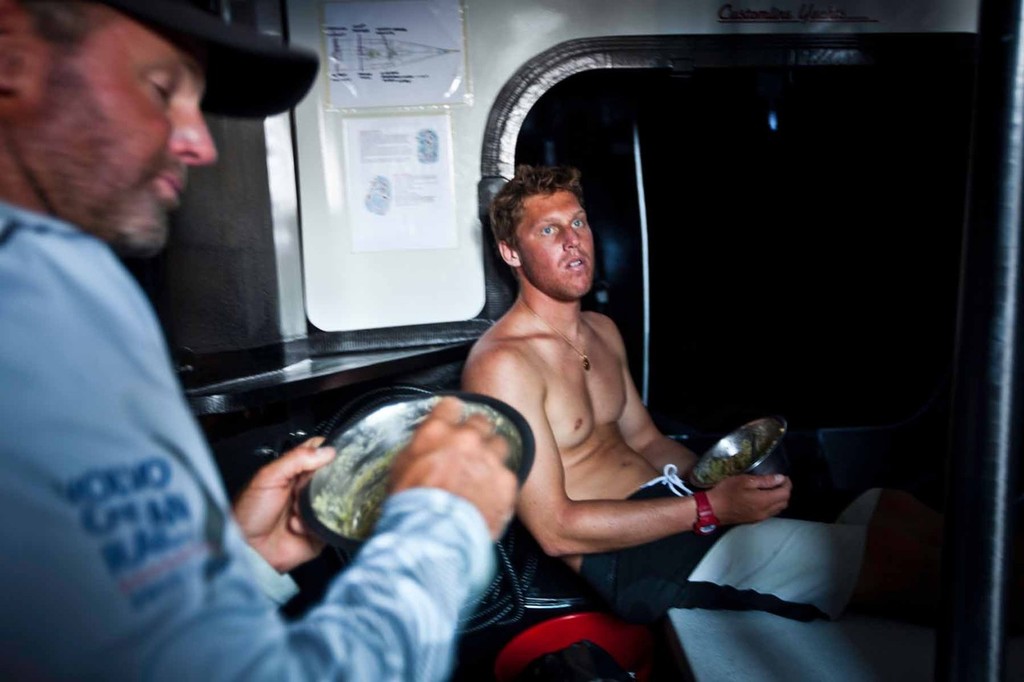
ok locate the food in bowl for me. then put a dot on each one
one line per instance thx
(343, 500)
(744, 450)
(354, 515)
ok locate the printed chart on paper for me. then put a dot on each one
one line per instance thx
(394, 53)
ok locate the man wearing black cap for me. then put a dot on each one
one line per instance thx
(121, 558)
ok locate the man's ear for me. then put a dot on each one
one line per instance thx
(24, 59)
(508, 254)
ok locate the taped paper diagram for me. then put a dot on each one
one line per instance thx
(394, 53)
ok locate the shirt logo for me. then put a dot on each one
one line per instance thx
(145, 528)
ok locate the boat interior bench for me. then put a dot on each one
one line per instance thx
(754, 646)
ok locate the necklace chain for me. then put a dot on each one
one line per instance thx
(582, 354)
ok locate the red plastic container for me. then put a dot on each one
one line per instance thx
(630, 644)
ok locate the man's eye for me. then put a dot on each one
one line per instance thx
(161, 91)
(577, 223)
(164, 84)
(548, 229)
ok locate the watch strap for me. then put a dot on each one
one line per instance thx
(706, 522)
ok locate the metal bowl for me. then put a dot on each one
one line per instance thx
(750, 449)
(343, 500)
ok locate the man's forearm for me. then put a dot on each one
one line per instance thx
(663, 450)
(589, 526)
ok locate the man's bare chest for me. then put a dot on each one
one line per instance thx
(579, 406)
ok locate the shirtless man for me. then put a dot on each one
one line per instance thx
(603, 493)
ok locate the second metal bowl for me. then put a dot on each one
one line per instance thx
(750, 449)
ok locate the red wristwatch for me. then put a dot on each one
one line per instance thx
(706, 522)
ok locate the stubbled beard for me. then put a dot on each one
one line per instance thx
(552, 286)
(82, 159)
(134, 244)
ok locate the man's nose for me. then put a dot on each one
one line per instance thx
(571, 240)
(191, 141)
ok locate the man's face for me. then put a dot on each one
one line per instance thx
(554, 246)
(117, 126)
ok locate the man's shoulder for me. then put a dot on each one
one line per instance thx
(502, 350)
(599, 321)
(499, 348)
(604, 326)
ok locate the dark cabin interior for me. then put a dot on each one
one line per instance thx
(802, 258)
(804, 232)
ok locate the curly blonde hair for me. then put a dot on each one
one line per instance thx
(506, 209)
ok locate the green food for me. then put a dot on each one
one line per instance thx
(347, 496)
(712, 470)
(354, 511)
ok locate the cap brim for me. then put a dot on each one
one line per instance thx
(248, 73)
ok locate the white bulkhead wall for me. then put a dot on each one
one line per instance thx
(348, 289)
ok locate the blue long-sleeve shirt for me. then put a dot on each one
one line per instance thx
(120, 559)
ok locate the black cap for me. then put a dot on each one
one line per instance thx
(248, 73)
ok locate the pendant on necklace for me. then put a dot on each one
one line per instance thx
(586, 360)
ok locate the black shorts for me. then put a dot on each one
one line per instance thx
(641, 583)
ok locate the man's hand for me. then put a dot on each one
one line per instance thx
(465, 458)
(746, 499)
(268, 511)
